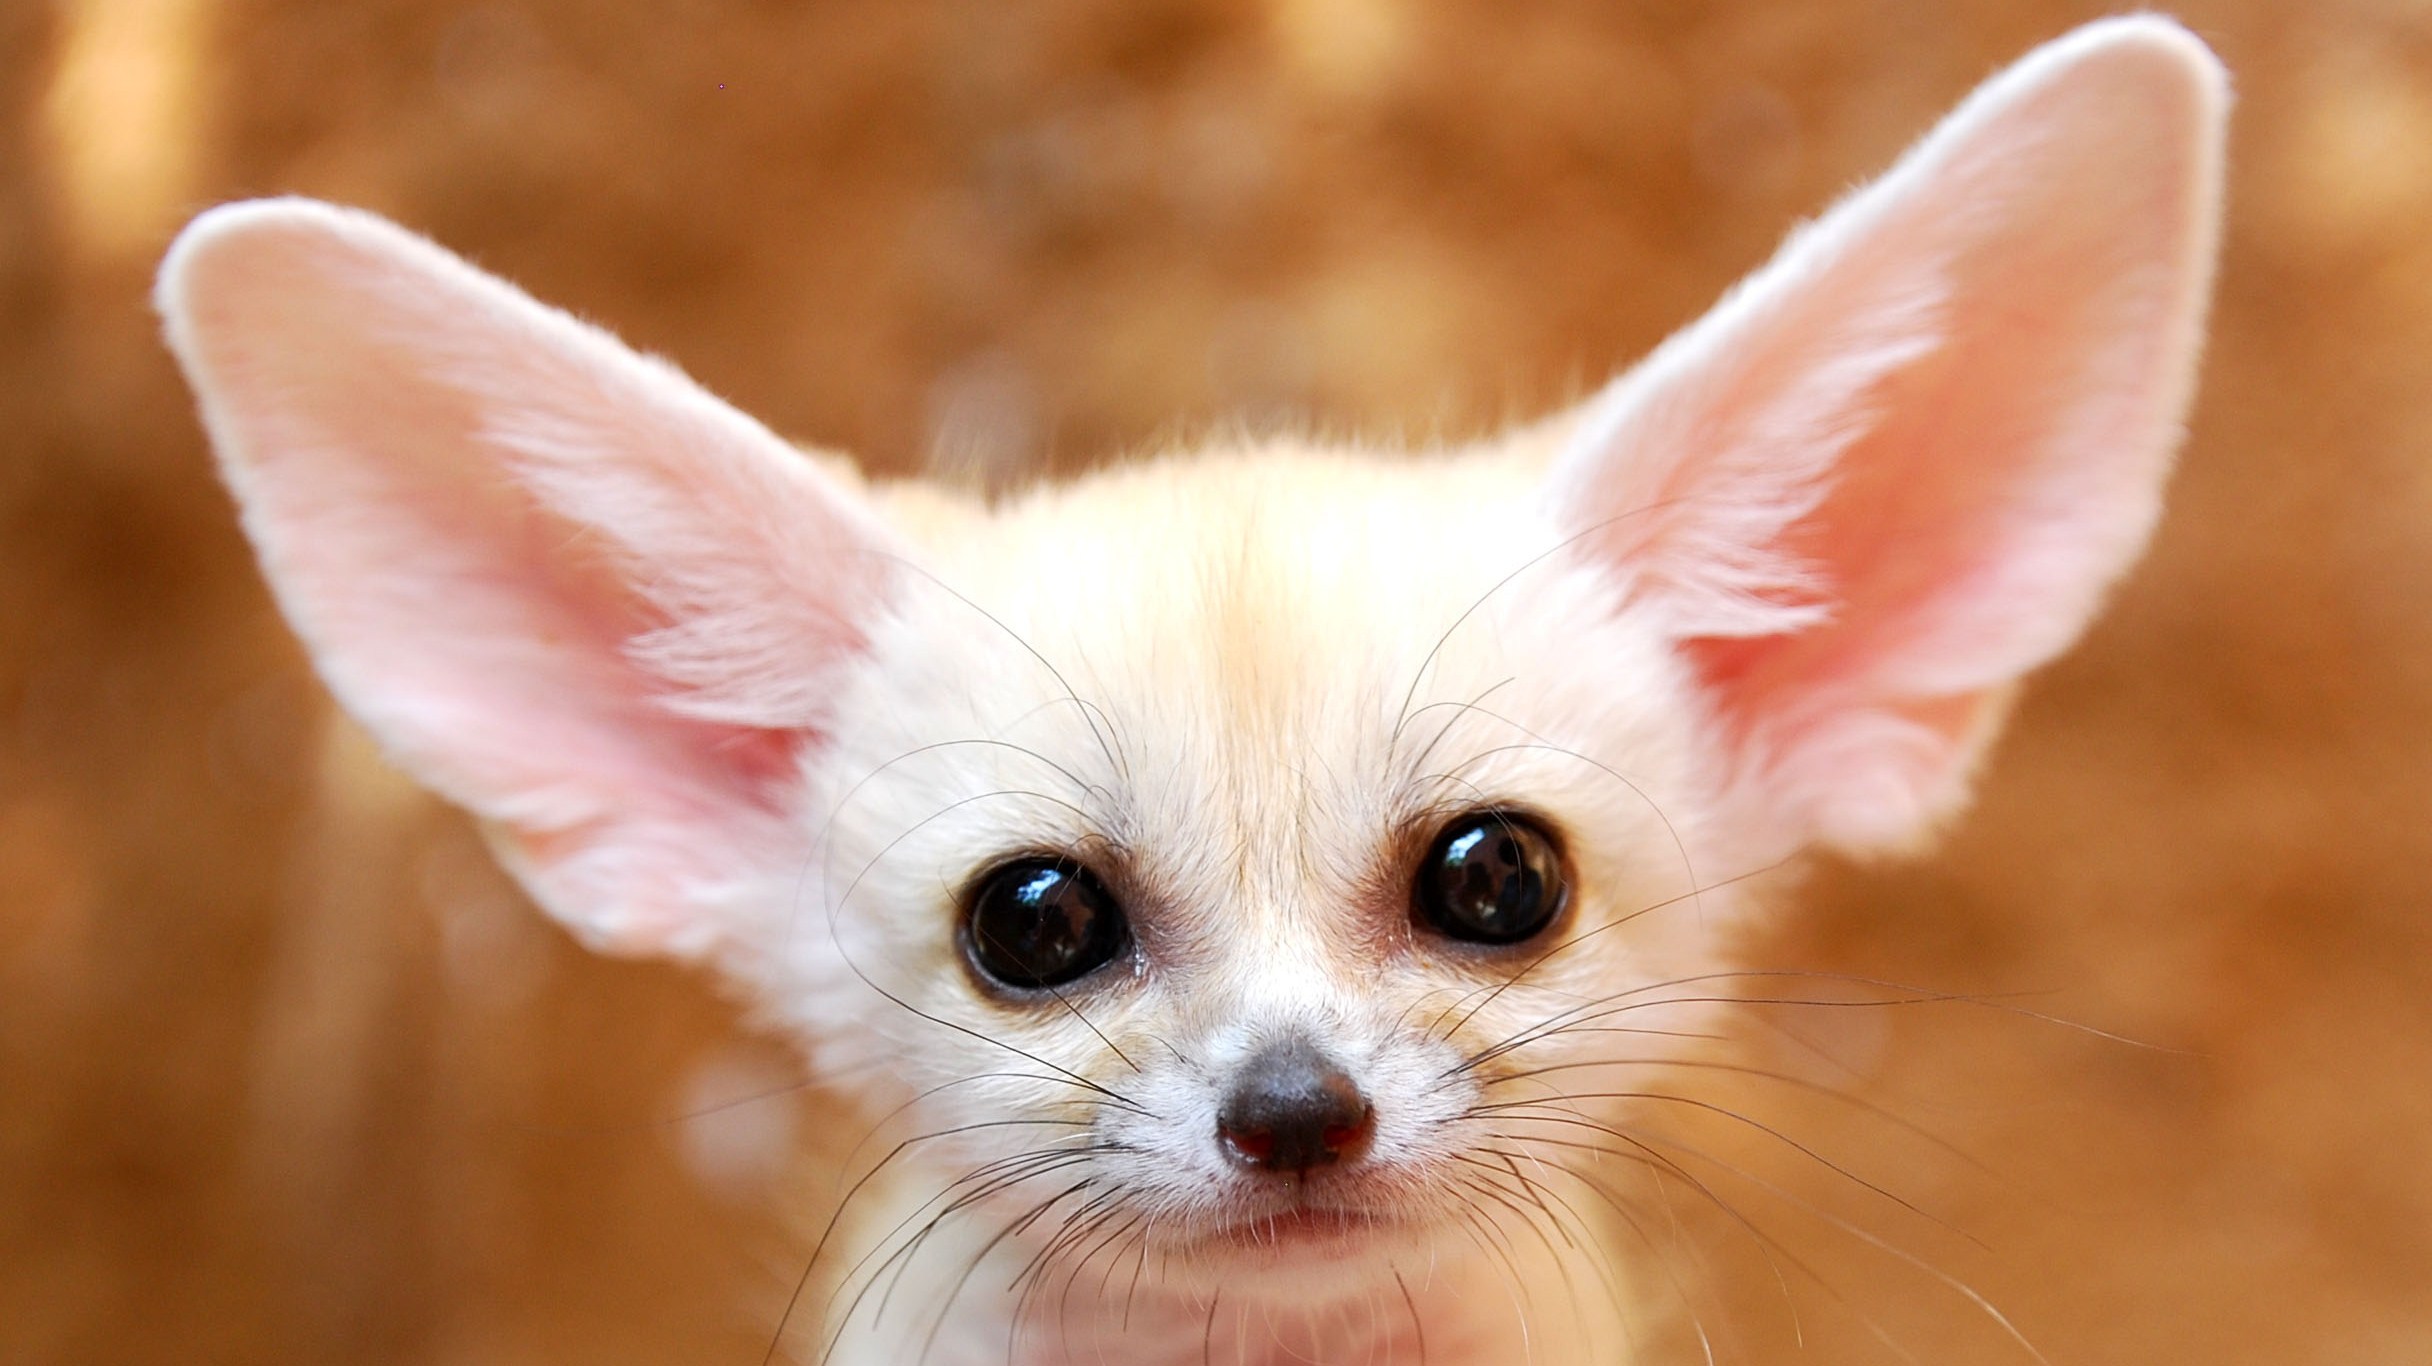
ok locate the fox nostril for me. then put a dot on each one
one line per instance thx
(1291, 1109)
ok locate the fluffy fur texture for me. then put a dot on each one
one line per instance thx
(1765, 593)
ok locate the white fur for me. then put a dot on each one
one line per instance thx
(716, 701)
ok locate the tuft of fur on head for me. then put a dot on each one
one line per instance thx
(1766, 593)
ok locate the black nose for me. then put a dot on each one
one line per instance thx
(1292, 1109)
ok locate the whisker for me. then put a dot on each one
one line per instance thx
(1545, 1197)
(1519, 1110)
(1791, 1079)
(1124, 1222)
(1402, 715)
(1533, 1196)
(1104, 1092)
(1086, 1022)
(827, 828)
(1586, 1011)
(1575, 940)
(984, 1182)
(1075, 1226)
(1462, 710)
(1025, 1164)
(1629, 1219)
(708, 1111)
(1012, 1229)
(1680, 846)
(836, 1216)
(1769, 1247)
(1090, 712)
(1953, 1283)
(1418, 1326)
(1490, 1240)
(846, 1164)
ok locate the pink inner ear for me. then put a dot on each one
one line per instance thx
(518, 653)
(1899, 468)
(562, 585)
(1967, 532)
(441, 591)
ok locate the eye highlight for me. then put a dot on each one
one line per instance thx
(1042, 922)
(1491, 877)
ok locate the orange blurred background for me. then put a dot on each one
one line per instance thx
(289, 1075)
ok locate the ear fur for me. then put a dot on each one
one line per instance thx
(1898, 466)
(563, 585)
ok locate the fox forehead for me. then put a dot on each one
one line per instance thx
(1227, 572)
(1270, 597)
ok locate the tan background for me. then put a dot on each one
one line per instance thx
(288, 1076)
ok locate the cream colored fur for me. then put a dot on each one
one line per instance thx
(1767, 593)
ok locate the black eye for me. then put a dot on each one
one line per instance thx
(1491, 877)
(1042, 923)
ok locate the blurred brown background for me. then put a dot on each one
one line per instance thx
(288, 1075)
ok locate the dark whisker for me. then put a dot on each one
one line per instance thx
(1575, 940)
(1851, 1099)
(1579, 1014)
(1402, 714)
(1090, 712)
(893, 1266)
(1880, 1244)
(1207, 1335)
(1086, 1023)
(827, 829)
(1519, 1109)
(894, 999)
(836, 1216)
(711, 1110)
(1418, 1326)
(1528, 1192)
(1461, 709)
(1040, 1160)
(1077, 1225)
(1671, 831)
(1630, 1220)
(846, 1164)
(1010, 1230)
(1119, 1223)
(1641, 1143)
(1660, 1165)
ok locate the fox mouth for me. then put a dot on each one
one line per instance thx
(1296, 1228)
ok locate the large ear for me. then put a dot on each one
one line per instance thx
(1898, 467)
(563, 585)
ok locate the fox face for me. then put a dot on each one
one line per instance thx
(1275, 878)
(1256, 898)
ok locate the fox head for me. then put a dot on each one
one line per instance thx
(1246, 854)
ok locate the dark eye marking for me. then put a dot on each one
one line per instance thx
(1491, 877)
(1042, 922)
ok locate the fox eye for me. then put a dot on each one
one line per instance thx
(1042, 922)
(1491, 877)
